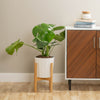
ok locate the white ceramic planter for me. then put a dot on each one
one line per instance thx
(43, 66)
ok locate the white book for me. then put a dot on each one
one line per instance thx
(86, 20)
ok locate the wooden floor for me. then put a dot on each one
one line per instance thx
(24, 91)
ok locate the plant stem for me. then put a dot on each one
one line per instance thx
(51, 50)
(53, 47)
(32, 47)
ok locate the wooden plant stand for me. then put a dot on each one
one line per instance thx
(38, 78)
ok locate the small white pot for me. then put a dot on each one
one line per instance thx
(43, 66)
(86, 16)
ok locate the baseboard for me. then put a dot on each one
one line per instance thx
(27, 77)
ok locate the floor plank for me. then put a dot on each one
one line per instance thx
(25, 91)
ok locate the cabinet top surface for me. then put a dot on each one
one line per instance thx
(73, 28)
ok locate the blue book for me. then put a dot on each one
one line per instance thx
(84, 23)
(84, 26)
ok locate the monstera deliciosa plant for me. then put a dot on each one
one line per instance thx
(44, 40)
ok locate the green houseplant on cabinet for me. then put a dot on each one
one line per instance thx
(44, 41)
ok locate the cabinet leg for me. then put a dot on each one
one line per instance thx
(69, 84)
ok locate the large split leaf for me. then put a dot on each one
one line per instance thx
(58, 28)
(14, 46)
(40, 44)
(43, 32)
(60, 36)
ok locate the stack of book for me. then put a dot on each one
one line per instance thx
(85, 21)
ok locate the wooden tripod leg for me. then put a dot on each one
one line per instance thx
(35, 77)
(51, 77)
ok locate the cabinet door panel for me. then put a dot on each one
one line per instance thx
(98, 54)
(81, 54)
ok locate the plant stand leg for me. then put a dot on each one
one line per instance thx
(69, 84)
(35, 77)
(51, 77)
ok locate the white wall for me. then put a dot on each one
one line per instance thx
(18, 17)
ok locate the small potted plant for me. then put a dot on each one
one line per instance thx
(44, 41)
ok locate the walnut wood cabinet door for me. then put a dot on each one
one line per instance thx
(98, 55)
(81, 54)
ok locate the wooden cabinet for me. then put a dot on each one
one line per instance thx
(83, 54)
(98, 55)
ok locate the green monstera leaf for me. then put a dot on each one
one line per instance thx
(14, 46)
(43, 32)
(60, 37)
(63, 34)
(52, 25)
(39, 44)
(58, 28)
